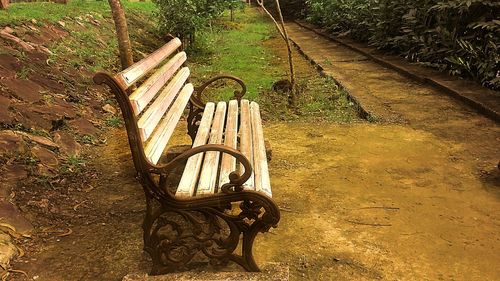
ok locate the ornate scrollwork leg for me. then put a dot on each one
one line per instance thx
(175, 237)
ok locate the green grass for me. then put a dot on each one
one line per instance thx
(240, 49)
(114, 122)
(237, 51)
(52, 12)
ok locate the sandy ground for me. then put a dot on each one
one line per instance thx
(359, 202)
(416, 198)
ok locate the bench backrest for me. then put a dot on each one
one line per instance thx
(153, 109)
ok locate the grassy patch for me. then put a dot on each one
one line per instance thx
(251, 49)
(236, 49)
(73, 164)
(114, 122)
(52, 12)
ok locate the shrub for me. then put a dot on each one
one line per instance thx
(459, 36)
(184, 18)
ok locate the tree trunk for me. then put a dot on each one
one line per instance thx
(122, 33)
(4, 4)
(280, 26)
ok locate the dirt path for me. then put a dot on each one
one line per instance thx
(393, 98)
(416, 198)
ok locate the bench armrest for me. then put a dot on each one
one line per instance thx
(197, 100)
(235, 180)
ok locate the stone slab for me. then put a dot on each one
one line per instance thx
(270, 272)
(11, 219)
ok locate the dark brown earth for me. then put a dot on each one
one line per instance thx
(410, 197)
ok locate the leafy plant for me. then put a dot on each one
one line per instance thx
(184, 18)
(458, 36)
(114, 122)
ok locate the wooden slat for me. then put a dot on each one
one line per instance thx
(191, 172)
(146, 92)
(246, 146)
(208, 176)
(162, 134)
(133, 73)
(153, 114)
(262, 182)
(228, 163)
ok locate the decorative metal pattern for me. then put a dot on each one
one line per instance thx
(178, 230)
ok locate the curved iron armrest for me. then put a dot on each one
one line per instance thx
(235, 180)
(198, 101)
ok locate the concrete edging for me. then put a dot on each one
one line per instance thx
(476, 104)
(362, 112)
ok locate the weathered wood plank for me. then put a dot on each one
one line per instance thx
(159, 139)
(246, 146)
(153, 114)
(262, 181)
(187, 184)
(133, 73)
(208, 176)
(228, 163)
(140, 98)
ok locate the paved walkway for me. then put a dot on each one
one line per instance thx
(393, 98)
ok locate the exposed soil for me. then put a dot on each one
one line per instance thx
(413, 199)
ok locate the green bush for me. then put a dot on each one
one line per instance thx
(184, 18)
(459, 36)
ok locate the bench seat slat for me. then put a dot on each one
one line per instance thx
(262, 182)
(147, 91)
(208, 176)
(246, 146)
(228, 163)
(205, 174)
(153, 114)
(136, 71)
(154, 148)
(187, 184)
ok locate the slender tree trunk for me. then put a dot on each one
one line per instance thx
(122, 33)
(284, 34)
(4, 4)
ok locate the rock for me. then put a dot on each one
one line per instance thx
(10, 176)
(57, 110)
(23, 89)
(13, 221)
(5, 73)
(47, 158)
(109, 109)
(10, 62)
(11, 142)
(83, 127)
(8, 251)
(270, 272)
(38, 139)
(67, 143)
(5, 114)
(30, 119)
(41, 80)
(33, 28)
(61, 23)
(21, 43)
(8, 30)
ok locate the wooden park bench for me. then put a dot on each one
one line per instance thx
(224, 193)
